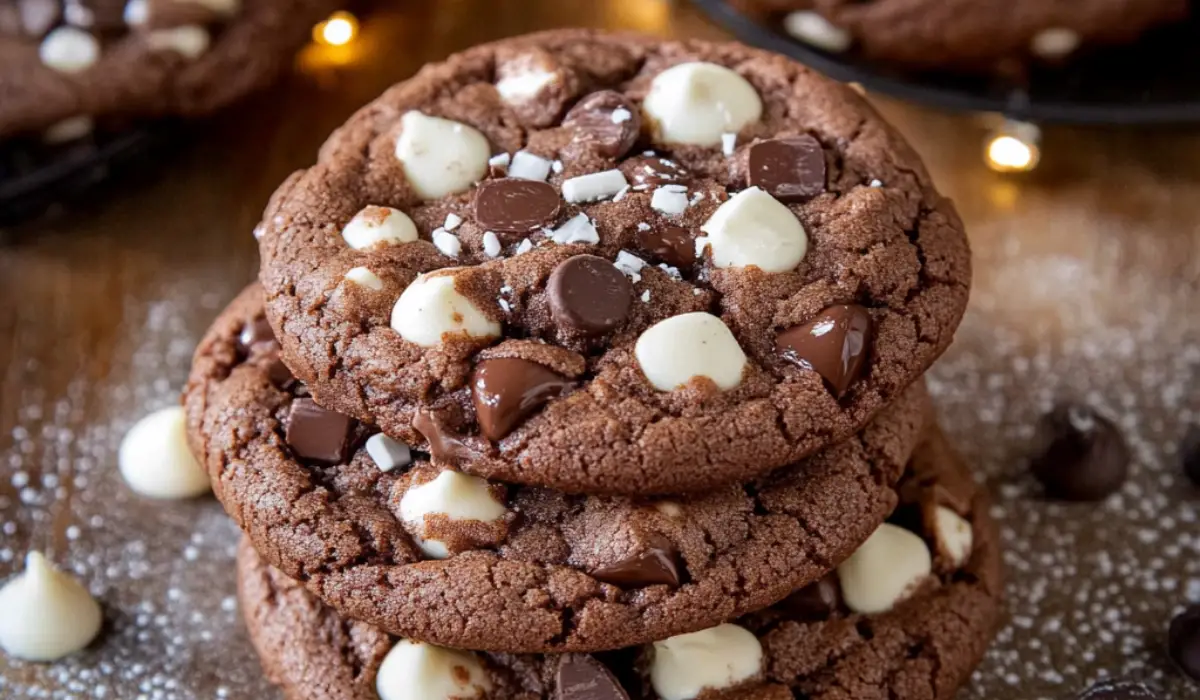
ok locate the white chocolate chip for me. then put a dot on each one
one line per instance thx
(137, 12)
(954, 535)
(876, 183)
(379, 226)
(696, 103)
(674, 351)
(754, 228)
(720, 657)
(491, 244)
(500, 160)
(671, 509)
(669, 201)
(69, 129)
(523, 79)
(812, 28)
(701, 245)
(557, 166)
(432, 307)
(155, 460)
(453, 221)
(440, 157)
(527, 166)
(728, 144)
(77, 14)
(388, 454)
(577, 229)
(36, 16)
(69, 50)
(47, 614)
(364, 278)
(420, 671)
(646, 296)
(885, 570)
(621, 115)
(191, 41)
(593, 186)
(1055, 43)
(630, 264)
(446, 242)
(452, 495)
(524, 246)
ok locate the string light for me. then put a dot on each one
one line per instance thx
(339, 30)
(1014, 148)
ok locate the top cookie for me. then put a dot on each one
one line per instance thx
(608, 264)
(63, 62)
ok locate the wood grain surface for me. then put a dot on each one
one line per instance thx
(1086, 279)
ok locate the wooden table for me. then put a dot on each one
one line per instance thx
(1086, 275)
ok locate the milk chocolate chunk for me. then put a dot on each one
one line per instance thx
(508, 390)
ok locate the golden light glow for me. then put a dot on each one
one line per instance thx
(340, 29)
(1008, 154)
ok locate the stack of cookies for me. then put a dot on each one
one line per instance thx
(588, 366)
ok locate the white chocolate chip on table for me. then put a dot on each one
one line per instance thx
(717, 658)
(431, 307)
(676, 350)
(155, 460)
(374, 227)
(754, 228)
(454, 496)
(419, 671)
(440, 157)
(885, 570)
(698, 103)
(46, 614)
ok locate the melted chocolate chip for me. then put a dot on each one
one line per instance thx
(654, 171)
(582, 677)
(589, 295)
(789, 169)
(1118, 690)
(605, 121)
(512, 205)
(508, 390)
(316, 434)
(816, 601)
(658, 564)
(445, 445)
(1086, 458)
(835, 344)
(1183, 642)
(255, 332)
(674, 245)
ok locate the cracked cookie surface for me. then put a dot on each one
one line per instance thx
(521, 569)
(812, 646)
(387, 293)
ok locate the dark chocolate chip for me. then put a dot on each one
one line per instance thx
(582, 677)
(674, 245)
(1085, 459)
(835, 344)
(316, 434)
(606, 121)
(255, 332)
(654, 171)
(445, 445)
(1118, 690)
(789, 169)
(659, 563)
(1183, 642)
(816, 601)
(279, 375)
(512, 205)
(1190, 455)
(589, 295)
(507, 390)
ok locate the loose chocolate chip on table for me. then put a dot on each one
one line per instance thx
(816, 601)
(674, 245)
(255, 332)
(607, 121)
(835, 344)
(789, 169)
(582, 677)
(653, 171)
(1118, 690)
(511, 205)
(507, 390)
(1183, 642)
(659, 563)
(316, 434)
(589, 295)
(1086, 458)
(1190, 455)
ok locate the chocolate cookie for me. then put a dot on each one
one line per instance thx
(65, 62)
(811, 645)
(964, 34)
(433, 554)
(699, 261)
